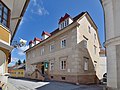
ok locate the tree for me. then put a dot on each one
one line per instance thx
(24, 61)
(19, 62)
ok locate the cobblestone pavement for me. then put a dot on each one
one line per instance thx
(37, 85)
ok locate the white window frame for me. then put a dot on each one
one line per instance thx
(52, 47)
(89, 28)
(42, 51)
(67, 22)
(86, 64)
(95, 37)
(63, 64)
(63, 44)
(51, 65)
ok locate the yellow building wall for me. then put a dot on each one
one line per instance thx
(4, 34)
(17, 73)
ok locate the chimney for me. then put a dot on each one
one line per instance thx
(45, 35)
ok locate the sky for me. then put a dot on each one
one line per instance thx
(44, 15)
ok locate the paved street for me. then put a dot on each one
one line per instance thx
(37, 85)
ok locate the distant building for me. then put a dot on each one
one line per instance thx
(70, 53)
(17, 71)
(11, 13)
(102, 64)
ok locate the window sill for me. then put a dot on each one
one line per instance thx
(4, 27)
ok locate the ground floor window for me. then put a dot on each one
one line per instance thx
(63, 64)
(86, 63)
(51, 65)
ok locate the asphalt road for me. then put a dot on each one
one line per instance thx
(21, 84)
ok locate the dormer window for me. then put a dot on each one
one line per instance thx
(31, 43)
(37, 40)
(65, 21)
(45, 35)
(4, 15)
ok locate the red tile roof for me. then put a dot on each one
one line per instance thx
(31, 42)
(46, 33)
(37, 39)
(63, 18)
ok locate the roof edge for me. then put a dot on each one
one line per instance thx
(22, 14)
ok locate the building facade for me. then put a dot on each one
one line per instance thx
(102, 64)
(17, 71)
(69, 54)
(11, 13)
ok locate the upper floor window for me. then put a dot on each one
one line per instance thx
(52, 47)
(64, 23)
(94, 36)
(4, 15)
(89, 29)
(63, 43)
(42, 50)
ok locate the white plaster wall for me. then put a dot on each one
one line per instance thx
(83, 30)
(102, 65)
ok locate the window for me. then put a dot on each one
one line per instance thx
(63, 78)
(63, 65)
(94, 37)
(86, 63)
(89, 29)
(95, 49)
(95, 66)
(63, 43)
(52, 47)
(42, 51)
(63, 25)
(33, 54)
(51, 65)
(67, 22)
(4, 15)
(85, 44)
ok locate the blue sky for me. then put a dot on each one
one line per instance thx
(43, 15)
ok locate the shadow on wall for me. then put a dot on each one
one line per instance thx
(90, 74)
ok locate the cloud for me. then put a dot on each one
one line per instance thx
(13, 59)
(38, 8)
(21, 50)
